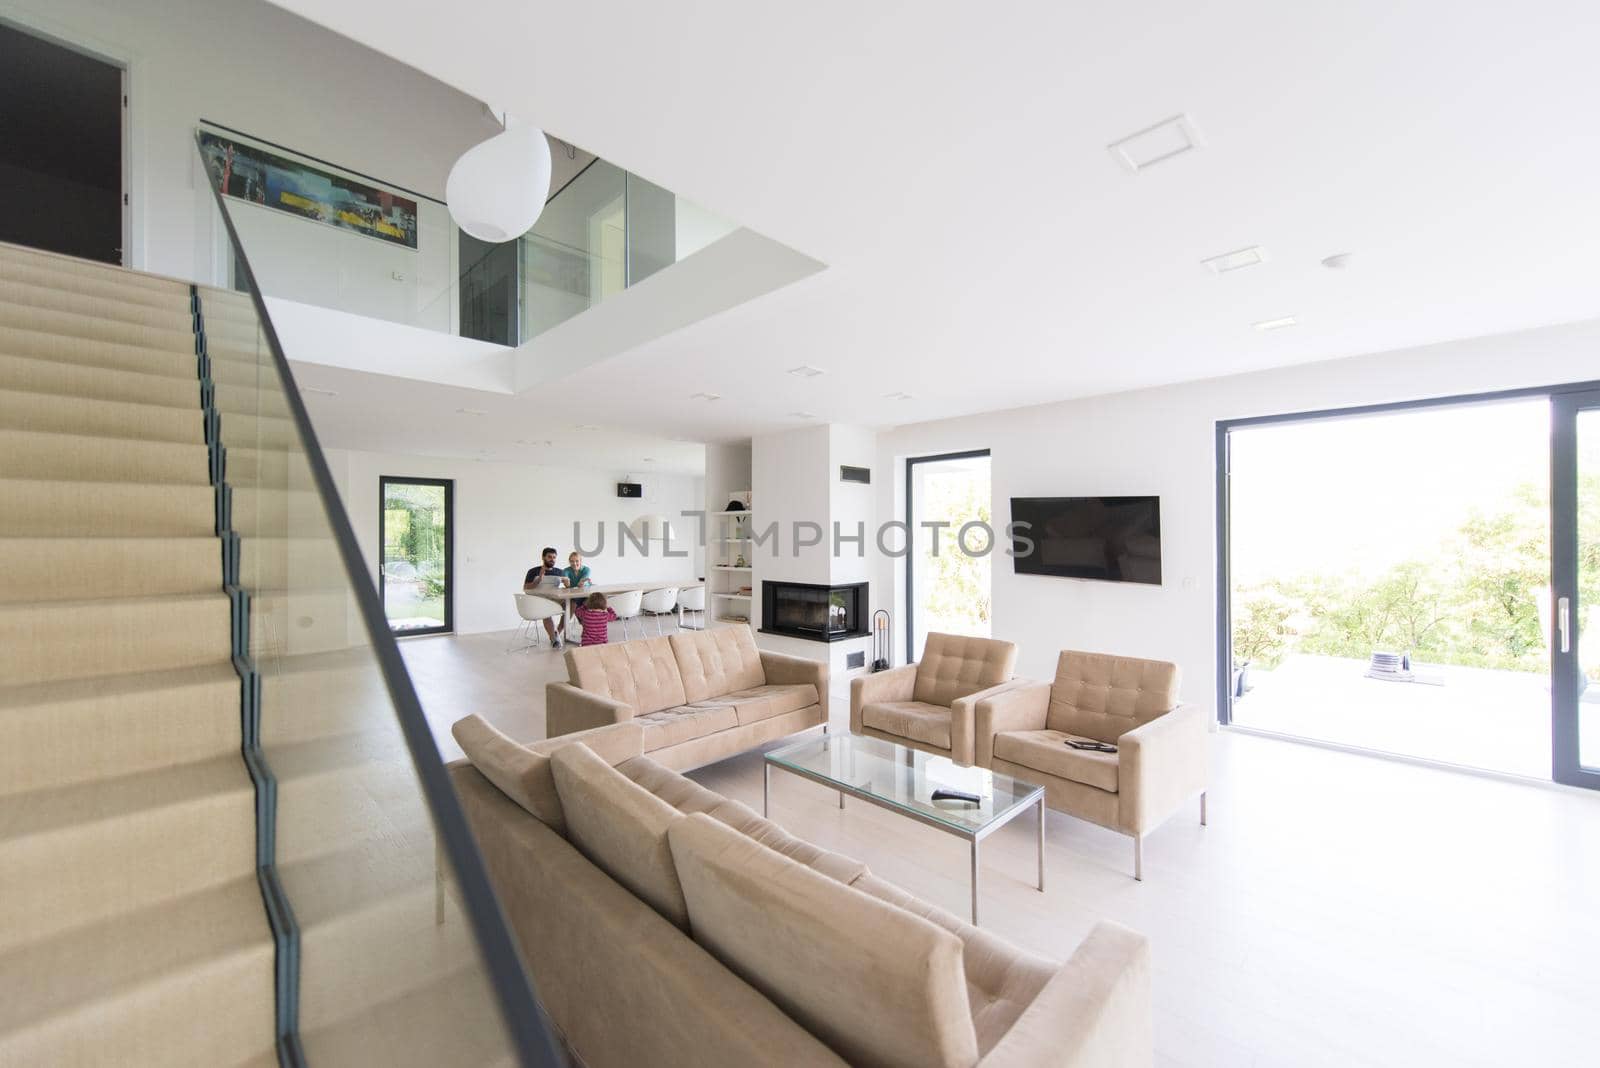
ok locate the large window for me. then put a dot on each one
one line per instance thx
(947, 574)
(1415, 580)
(416, 523)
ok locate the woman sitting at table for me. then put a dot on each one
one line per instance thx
(577, 572)
(548, 575)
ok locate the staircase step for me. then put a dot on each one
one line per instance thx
(453, 1020)
(78, 730)
(109, 287)
(96, 328)
(65, 569)
(54, 640)
(186, 982)
(31, 454)
(98, 383)
(58, 414)
(42, 508)
(78, 854)
(171, 313)
(116, 356)
(33, 259)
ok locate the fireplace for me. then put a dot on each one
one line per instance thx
(816, 613)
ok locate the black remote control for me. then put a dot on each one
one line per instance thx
(957, 795)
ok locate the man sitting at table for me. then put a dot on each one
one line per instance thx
(550, 576)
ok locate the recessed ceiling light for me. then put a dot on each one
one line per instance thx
(1153, 144)
(471, 411)
(805, 370)
(588, 426)
(319, 392)
(802, 415)
(1276, 324)
(897, 396)
(1233, 261)
(705, 396)
(525, 441)
(649, 459)
(1337, 262)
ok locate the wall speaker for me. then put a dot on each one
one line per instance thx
(630, 489)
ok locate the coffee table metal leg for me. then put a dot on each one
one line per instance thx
(766, 785)
(975, 882)
(1041, 845)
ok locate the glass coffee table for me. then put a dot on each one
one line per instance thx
(902, 779)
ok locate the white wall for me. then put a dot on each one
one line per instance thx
(505, 513)
(1161, 441)
(256, 68)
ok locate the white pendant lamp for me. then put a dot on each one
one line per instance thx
(497, 189)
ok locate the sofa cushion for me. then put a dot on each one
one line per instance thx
(522, 772)
(621, 827)
(642, 674)
(715, 662)
(689, 797)
(684, 723)
(1047, 751)
(1002, 980)
(1104, 697)
(928, 724)
(953, 666)
(763, 702)
(878, 984)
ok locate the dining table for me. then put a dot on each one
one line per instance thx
(570, 595)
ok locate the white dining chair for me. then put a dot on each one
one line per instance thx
(534, 611)
(659, 603)
(692, 600)
(626, 606)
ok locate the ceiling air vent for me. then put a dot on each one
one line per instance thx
(1167, 138)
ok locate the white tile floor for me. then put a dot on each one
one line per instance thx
(1340, 910)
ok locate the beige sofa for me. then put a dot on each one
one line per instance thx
(700, 695)
(666, 925)
(1162, 746)
(931, 705)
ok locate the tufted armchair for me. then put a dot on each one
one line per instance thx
(930, 705)
(1161, 758)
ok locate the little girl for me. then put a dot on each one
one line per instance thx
(594, 615)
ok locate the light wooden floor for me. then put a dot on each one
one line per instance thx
(1339, 910)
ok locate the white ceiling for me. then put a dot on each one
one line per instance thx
(948, 162)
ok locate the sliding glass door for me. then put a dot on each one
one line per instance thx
(416, 520)
(1575, 497)
(947, 587)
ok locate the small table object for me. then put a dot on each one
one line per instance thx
(903, 780)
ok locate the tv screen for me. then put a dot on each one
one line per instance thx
(1112, 538)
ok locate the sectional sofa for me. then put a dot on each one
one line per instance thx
(699, 695)
(667, 925)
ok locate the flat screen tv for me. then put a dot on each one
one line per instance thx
(1113, 538)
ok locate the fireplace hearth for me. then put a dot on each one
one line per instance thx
(815, 613)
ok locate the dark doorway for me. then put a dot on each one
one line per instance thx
(60, 149)
(490, 295)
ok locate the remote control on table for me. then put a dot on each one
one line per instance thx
(957, 795)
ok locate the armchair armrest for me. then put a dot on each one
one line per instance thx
(1162, 764)
(1094, 1011)
(963, 720)
(1023, 707)
(568, 709)
(782, 669)
(896, 684)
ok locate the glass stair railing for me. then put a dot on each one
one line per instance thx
(390, 945)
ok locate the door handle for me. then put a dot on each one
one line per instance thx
(1564, 623)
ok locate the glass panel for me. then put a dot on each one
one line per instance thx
(906, 778)
(1588, 437)
(1390, 580)
(575, 255)
(416, 555)
(390, 968)
(949, 586)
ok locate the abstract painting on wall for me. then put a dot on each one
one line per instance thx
(260, 177)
